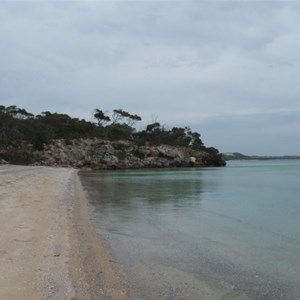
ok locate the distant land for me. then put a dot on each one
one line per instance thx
(240, 156)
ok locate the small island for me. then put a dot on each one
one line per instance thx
(107, 142)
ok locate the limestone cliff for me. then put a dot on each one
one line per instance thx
(97, 154)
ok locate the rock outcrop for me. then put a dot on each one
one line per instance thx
(97, 154)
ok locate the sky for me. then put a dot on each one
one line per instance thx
(228, 69)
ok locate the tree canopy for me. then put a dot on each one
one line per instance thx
(16, 125)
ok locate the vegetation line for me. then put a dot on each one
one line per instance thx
(19, 127)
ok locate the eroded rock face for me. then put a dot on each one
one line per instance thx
(99, 154)
(3, 162)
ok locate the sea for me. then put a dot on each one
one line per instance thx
(202, 233)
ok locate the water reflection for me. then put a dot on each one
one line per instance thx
(132, 189)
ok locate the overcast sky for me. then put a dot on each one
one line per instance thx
(228, 69)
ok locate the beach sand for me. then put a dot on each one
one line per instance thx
(48, 248)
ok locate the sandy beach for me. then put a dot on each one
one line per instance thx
(48, 248)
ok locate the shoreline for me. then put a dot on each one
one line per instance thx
(49, 249)
(90, 261)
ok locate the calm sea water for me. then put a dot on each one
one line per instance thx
(213, 233)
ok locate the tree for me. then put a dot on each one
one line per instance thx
(10, 118)
(18, 113)
(101, 117)
(180, 136)
(153, 126)
(196, 142)
(120, 114)
(119, 132)
(65, 127)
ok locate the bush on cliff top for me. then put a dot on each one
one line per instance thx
(16, 125)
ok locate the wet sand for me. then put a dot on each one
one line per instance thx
(48, 248)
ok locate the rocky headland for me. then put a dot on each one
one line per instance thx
(98, 154)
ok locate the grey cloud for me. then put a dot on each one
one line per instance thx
(182, 61)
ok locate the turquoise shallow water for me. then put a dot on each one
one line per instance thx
(213, 233)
